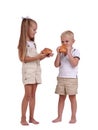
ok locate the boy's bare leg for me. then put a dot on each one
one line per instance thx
(73, 108)
(60, 108)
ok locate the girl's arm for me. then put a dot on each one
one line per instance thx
(37, 57)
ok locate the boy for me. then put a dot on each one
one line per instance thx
(67, 80)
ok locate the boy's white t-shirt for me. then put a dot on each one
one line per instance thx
(66, 70)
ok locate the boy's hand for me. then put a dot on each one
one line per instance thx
(69, 48)
(58, 48)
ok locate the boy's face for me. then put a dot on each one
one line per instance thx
(67, 40)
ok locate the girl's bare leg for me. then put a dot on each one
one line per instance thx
(32, 105)
(60, 108)
(24, 105)
(73, 108)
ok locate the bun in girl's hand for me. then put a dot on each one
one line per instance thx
(46, 51)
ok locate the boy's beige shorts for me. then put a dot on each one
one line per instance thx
(66, 86)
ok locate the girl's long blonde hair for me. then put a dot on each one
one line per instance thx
(23, 35)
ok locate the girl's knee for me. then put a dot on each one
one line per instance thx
(28, 97)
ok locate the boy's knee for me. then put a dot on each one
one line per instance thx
(71, 97)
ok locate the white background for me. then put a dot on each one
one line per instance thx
(53, 17)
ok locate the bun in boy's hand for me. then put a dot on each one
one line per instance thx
(63, 49)
(46, 51)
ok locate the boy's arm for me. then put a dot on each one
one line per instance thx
(73, 60)
(57, 62)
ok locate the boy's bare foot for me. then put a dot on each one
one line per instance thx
(73, 120)
(24, 122)
(58, 119)
(33, 121)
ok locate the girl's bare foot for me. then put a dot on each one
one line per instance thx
(33, 121)
(58, 119)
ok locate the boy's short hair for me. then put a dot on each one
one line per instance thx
(69, 33)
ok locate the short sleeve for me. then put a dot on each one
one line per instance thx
(76, 53)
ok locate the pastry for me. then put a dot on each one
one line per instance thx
(46, 51)
(63, 49)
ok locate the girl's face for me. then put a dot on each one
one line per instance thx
(32, 30)
(67, 40)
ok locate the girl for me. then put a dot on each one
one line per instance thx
(31, 71)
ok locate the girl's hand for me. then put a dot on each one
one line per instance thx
(41, 56)
(50, 55)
